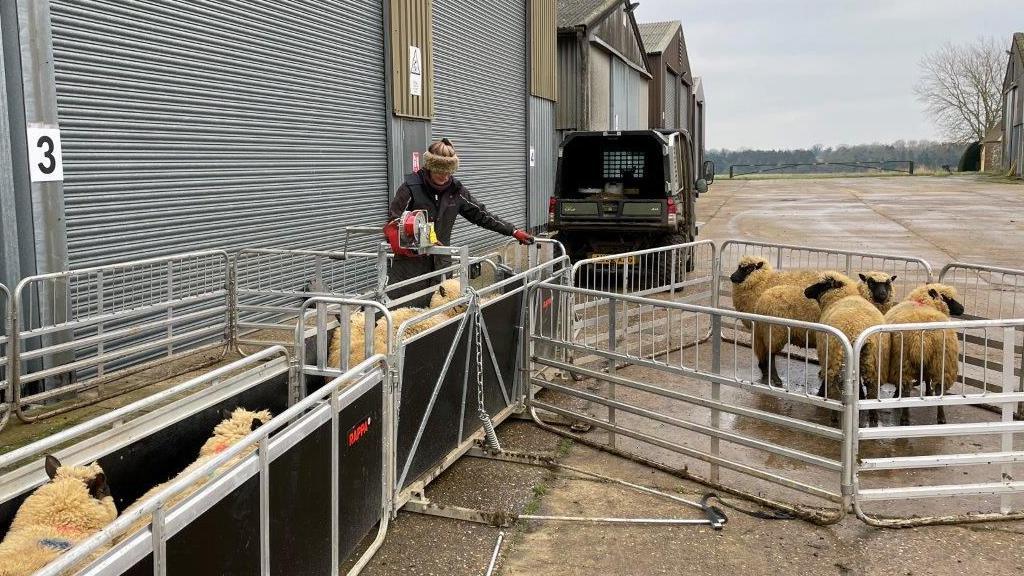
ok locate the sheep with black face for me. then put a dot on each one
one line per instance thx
(876, 287)
(71, 507)
(235, 426)
(843, 308)
(754, 275)
(928, 355)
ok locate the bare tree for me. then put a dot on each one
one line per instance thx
(961, 88)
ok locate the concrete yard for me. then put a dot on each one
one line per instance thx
(940, 219)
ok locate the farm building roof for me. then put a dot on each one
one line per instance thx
(1018, 42)
(572, 13)
(657, 35)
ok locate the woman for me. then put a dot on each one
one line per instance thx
(434, 189)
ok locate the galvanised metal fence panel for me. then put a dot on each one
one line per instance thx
(951, 460)
(678, 273)
(708, 409)
(99, 325)
(5, 386)
(987, 293)
(243, 480)
(270, 286)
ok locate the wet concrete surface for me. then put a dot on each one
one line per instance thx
(939, 219)
(968, 218)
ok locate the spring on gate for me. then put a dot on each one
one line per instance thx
(490, 435)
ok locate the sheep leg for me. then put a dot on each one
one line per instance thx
(940, 412)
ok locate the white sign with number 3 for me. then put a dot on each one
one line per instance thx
(44, 159)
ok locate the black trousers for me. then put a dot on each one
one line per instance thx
(405, 268)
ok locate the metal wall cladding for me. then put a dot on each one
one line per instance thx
(600, 91)
(410, 27)
(218, 124)
(543, 60)
(570, 78)
(670, 102)
(544, 142)
(480, 91)
(629, 97)
(687, 104)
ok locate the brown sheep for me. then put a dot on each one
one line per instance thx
(357, 348)
(927, 355)
(786, 301)
(71, 507)
(235, 426)
(754, 275)
(843, 308)
(876, 287)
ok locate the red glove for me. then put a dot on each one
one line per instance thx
(523, 237)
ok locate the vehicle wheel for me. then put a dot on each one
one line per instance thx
(684, 263)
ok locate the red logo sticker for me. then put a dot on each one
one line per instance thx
(415, 161)
(359, 430)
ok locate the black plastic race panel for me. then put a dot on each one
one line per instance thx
(224, 540)
(502, 319)
(424, 360)
(143, 567)
(300, 522)
(132, 470)
(361, 460)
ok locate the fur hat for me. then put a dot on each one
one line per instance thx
(441, 158)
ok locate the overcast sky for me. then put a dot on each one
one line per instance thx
(794, 73)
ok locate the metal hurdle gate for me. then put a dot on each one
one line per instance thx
(109, 322)
(988, 293)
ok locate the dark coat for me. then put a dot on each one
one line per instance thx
(442, 206)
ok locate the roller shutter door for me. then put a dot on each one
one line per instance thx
(480, 95)
(629, 97)
(195, 125)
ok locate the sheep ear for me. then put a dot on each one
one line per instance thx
(863, 278)
(442, 291)
(51, 464)
(759, 265)
(933, 293)
(256, 423)
(893, 279)
(225, 414)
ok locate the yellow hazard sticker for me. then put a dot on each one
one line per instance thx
(433, 235)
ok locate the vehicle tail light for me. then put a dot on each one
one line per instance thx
(671, 211)
(552, 203)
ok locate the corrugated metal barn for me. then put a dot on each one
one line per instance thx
(1013, 108)
(261, 124)
(604, 76)
(672, 80)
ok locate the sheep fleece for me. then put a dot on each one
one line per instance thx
(60, 512)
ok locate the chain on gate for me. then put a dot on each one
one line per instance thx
(478, 325)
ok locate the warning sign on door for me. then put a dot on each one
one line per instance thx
(415, 71)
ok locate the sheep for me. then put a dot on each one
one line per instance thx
(357, 344)
(843, 308)
(71, 507)
(754, 275)
(448, 291)
(786, 301)
(235, 426)
(876, 287)
(932, 355)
